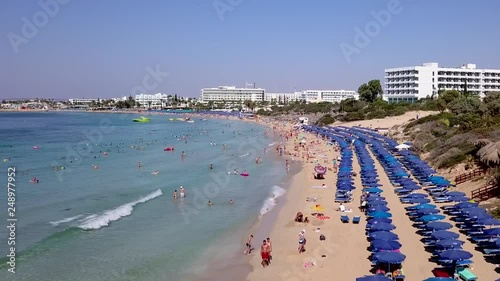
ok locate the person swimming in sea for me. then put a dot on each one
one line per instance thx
(34, 180)
(155, 172)
(211, 167)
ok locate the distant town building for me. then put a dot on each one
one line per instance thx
(231, 94)
(416, 82)
(82, 101)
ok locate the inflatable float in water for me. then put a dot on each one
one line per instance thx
(244, 174)
(169, 149)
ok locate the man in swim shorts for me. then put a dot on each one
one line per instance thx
(264, 253)
(249, 245)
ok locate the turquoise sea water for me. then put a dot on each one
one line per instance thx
(120, 222)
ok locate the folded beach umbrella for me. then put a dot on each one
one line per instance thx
(383, 235)
(381, 227)
(489, 222)
(373, 278)
(419, 200)
(386, 245)
(427, 211)
(438, 225)
(378, 220)
(492, 232)
(390, 257)
(455, 255)
(449, 243)
(380, 214)
(443, 235)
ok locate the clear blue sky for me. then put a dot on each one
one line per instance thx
(101, 48)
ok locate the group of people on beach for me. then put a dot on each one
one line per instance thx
(265, 250)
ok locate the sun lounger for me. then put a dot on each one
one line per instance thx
(344, 218)
(492, 251)
(466, 275)
(356, 219)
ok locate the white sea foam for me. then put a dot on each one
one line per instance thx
(103, 219)
(271, 144)
(246, 154)
(276, 191)
(65, 220)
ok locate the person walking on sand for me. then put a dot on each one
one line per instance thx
(264, 254)
(269, 248)
(302, 241)
(248, 245)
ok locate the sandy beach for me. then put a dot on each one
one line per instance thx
(343, 255)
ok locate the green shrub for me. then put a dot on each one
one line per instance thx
(376, 114)
(354, 116)
(325, 120)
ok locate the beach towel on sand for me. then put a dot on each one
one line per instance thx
(320, 186)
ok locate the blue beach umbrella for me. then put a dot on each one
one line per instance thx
(384, 235)
(380, 214)
(378, 220)
(377, 203)
(416, 195)
(373, 278)
(479, 216)
(443, 235)
(459, 199)
(489, 222)
(497, 242)
(419, 200)
(386, 245)
(473, 210)
(429, 218)
(466, 205)
(375, 198)
(438, 225)
(427, 211)
(492, 231)
(455, 255)
(378, 208)
(373, 190)
(455, 194)
(422, 206)
(390, 257)
(449, 243)
(381, 227)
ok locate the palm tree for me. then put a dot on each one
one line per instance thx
(489, 153)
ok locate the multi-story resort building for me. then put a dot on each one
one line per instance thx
(328, 95)
(152, 100)
(231, 94)
(416, 82)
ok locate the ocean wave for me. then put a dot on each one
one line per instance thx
(246, 154)
(65, 220)
(97, 221)
(271, 144)
(270, 202)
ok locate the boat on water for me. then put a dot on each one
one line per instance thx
(142, 120)
(190, 121)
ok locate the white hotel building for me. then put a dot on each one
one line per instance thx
(153, 100)
(231, 93)
(416, 82)
(328, 95)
